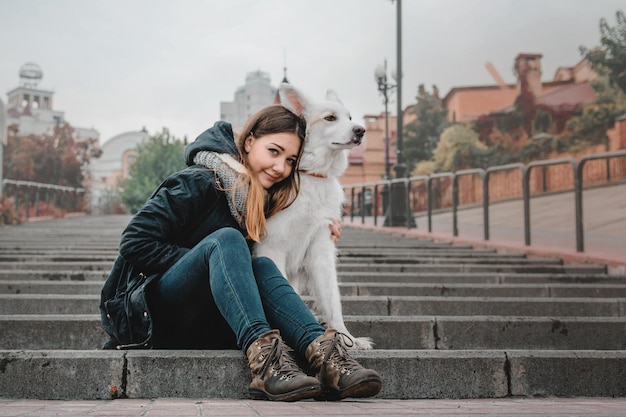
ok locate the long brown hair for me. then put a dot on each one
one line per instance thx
(262, 205)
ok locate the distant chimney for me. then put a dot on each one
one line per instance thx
(528, 67)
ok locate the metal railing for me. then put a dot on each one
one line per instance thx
(361, 192)
(28, 197)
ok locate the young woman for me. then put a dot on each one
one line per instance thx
(185, 277)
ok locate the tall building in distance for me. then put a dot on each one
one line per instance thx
(255, 94)
(31, 109)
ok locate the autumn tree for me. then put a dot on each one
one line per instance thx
(422, 134)
(55, 158)
(609, 61)
(610, 58)
(595, 118)
(157, 158)
(457, 149)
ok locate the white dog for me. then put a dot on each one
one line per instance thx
(298, 238)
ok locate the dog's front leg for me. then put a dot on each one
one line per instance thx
(322, 283)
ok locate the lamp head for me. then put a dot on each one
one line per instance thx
(380, 74)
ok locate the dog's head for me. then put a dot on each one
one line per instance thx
(330, 130)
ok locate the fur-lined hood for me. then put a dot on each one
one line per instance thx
(219, 139)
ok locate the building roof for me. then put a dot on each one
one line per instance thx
(566, 97)
(112, 151)
(570, 96)
(455, 90)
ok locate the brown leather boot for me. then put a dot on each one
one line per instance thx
(275, 374)
(340, 375)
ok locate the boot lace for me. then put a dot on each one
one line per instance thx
(336, 353)
(279, 361)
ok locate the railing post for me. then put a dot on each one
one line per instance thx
(17, 197)
(27, 200)
(486, 204)
(362, 205)
(37, 202)
(526, 203)
(410, 223)
(455, 203)
(351, 203)
(578, 203)
(375, 204)
(389, 210)
(429, 203)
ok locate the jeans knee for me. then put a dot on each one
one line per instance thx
(264, 266)
(227, 234)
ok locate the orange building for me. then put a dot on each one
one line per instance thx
(569, 87)
(367, 161)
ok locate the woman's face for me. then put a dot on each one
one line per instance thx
(272, 157)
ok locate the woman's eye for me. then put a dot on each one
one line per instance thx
(330, 118)
(273, 151)
(291, 161)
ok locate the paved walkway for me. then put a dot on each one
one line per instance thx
(213, 407)
(552, 227)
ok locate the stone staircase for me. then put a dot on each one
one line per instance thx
(449, 321)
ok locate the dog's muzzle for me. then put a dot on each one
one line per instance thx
(357, 134)
(357, 137)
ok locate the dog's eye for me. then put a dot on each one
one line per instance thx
(330, 118)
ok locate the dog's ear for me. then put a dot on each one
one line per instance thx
(332, 96)
(292, 99)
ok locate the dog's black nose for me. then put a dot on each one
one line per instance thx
(358, 131)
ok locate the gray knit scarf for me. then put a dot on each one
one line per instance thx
(230, 176)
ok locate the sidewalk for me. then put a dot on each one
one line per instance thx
(372, 407)
(552, 227)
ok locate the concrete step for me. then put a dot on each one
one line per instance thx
(479, 290)
(365, 276)
(366, 305)
(44, 258)
(90, 256)
(52, 265)
(481, 277)
(468, 267)
(444, 251)
(420, 259)
(83, 332)
(408, 374)
(56, 275)
(94, 287)
(344, 266)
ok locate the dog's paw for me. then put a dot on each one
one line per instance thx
(363, 343)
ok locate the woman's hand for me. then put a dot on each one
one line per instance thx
(335, 230)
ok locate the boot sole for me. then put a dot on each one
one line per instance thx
(362, 389)
(300, 394)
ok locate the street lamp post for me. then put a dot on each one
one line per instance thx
(384, 87)
(381, 78)
(3, 138)
(397, 213)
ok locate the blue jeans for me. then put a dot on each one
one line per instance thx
(216, 295)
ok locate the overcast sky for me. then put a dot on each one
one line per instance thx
(120, 65)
